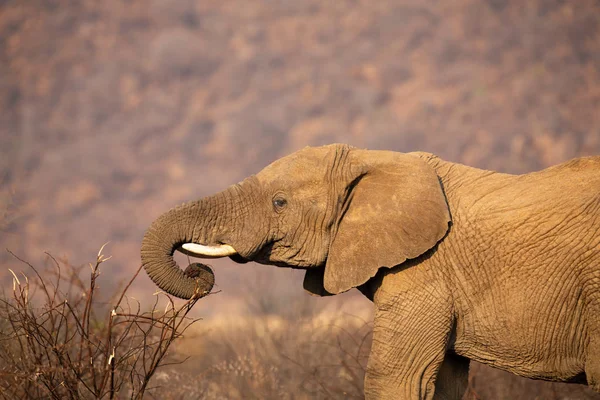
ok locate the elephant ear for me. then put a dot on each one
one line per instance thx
(394, 210)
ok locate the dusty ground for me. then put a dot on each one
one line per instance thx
(114, 111)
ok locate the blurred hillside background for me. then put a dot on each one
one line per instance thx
(114, 111)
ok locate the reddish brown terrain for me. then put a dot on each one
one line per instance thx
(114, 111)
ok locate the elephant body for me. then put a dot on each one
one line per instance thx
(524, 297)
(461, 263)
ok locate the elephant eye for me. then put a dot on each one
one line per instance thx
(279, 203)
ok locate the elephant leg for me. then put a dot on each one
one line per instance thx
(453, 378)
(592, 365)
(410, 338)
(592, 369)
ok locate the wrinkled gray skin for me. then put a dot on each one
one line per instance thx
(461, 264)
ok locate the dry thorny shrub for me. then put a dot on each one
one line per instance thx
(57, 341)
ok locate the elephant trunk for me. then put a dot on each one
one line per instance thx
(197, 224)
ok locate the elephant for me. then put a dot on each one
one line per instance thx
(460, 263)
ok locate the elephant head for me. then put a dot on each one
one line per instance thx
(337, 211)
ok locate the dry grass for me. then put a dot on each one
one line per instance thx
(270, 357)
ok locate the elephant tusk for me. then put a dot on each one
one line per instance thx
(200, 250)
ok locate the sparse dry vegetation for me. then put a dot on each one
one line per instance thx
(316, 357)
(59, 341)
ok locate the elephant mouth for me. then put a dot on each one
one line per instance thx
(238, 258)
(204, 251)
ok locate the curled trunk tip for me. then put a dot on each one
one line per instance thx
(159, 243)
